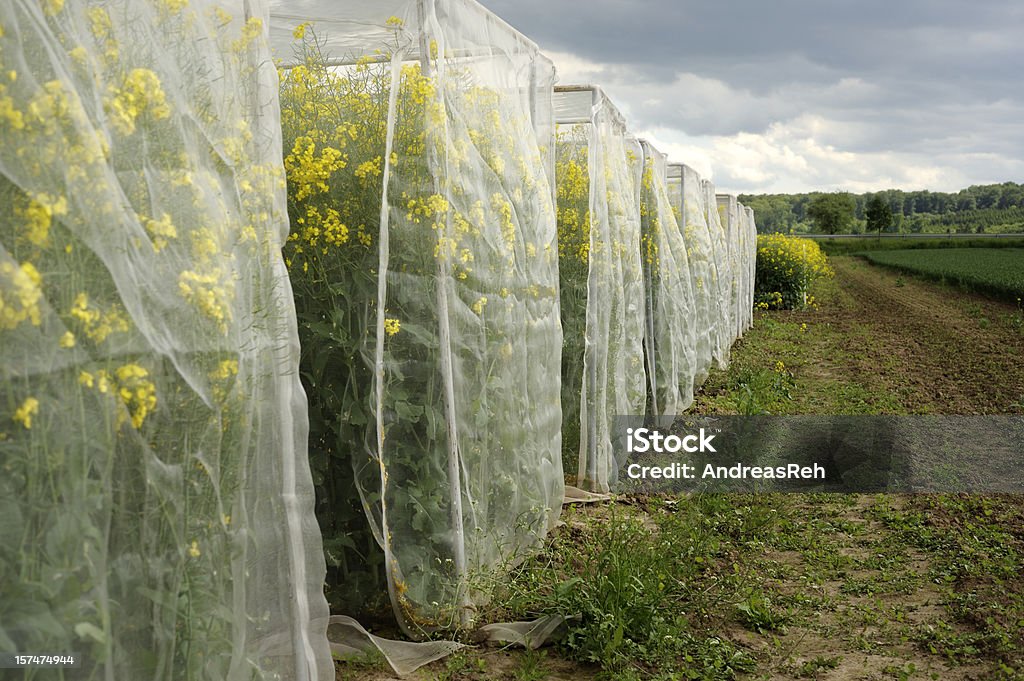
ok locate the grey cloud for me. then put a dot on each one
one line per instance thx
(926, 81)
(712, 34)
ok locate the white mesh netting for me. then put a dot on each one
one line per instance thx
(726, 267)
(155, 501)
(677, 330)
(734, 223)
(421, 140)
(750, 263)
(602, 288)
(705, 256)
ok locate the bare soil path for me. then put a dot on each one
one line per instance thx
(938, 349)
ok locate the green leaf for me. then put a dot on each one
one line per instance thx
(435, 424)
(409, 412)
(617, 638)
(320, 360)
(89, 630)
(356, 415)
(566, 587)
(41, 622)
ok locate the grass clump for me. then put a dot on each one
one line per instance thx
(646, 590)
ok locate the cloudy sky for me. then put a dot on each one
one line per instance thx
(800, 95)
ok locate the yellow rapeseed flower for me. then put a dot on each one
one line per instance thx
(38, 216)
(19, 295)
(26, 411)
(136, 391)
(140, 94)
(368, 168)
(53, 7)
(209, 294)
(97, 323)
(225, 370)
(252, 30)
(160, 231)
(173, 6)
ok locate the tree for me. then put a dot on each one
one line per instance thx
(832, 213)
(878, 214)
(772, 212)
(965, 202)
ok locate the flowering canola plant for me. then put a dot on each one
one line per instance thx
(144, 330)
(602, 307)
(457, 203)
(572, 185)
(786, 267)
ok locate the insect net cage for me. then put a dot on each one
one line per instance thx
(677, 338)
(597, 177)
(440, 116)
(737, 230)
(155, 501)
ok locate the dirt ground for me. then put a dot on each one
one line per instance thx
(872, 586)
(940, 350)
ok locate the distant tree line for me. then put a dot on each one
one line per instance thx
(979, 208)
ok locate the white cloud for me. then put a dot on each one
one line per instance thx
(806, 96)
(571, 69)
(790, 157)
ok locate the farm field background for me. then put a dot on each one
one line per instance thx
(998, 271)
(836, 587)
(845, 245)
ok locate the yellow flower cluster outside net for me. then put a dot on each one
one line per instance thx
(786, 267)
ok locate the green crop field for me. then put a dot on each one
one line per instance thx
(858, 246)
(996, 271)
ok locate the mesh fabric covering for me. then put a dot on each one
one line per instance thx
(750, 260)
(726, 265)
(674, 319)
(442, 185)
(687, 200)
(602, 286)
(726, 325)
(155, 501)
(733, 218)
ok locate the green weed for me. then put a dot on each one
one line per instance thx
(531, 666)
(757, 614)
(635, 591)
(811, 668)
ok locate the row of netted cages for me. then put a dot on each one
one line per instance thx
(463, 234)
(467, 271)
(656, 279)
